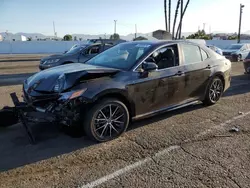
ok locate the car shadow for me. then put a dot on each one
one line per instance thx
(165, 115)
(240, 84)
(16, 150)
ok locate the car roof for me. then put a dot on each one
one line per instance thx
(162, 42)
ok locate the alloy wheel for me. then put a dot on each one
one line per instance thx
(215, 90)
(109, 121)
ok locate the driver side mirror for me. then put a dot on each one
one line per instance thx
(149, 66)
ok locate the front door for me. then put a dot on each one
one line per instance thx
(89, 52)
(161, 88)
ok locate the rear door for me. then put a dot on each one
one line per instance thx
(198, 68)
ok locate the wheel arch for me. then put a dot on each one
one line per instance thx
(120, 95)
(67, 62)
(217, 74)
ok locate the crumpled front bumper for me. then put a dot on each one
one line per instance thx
(26, 112)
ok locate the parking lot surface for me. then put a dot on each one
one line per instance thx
(190, 147)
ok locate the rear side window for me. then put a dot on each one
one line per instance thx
(191, 53)
(248, 56)
(204, 55)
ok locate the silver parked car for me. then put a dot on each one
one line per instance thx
(237, 52)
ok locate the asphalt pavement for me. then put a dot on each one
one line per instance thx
(190, 147)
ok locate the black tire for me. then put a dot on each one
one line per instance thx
(211, 97)
(239, 58)
(99, 112)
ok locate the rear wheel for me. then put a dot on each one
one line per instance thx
(106, 120)
(214, 91)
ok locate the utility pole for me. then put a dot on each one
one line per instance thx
(204, 26)
(135, 31)
(54, 29)
(241, 7)
(115, 26)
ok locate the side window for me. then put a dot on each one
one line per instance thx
(243, 47)
(166, 57)
(107, 46)
(93, 50)
(191, 53)
(203, 54)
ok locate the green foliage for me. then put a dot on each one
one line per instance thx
(140, 38)
(201, 34)
(115, 36)
(67, 37)
(234, 37)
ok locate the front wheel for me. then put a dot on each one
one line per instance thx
(214, 91)
(106, 120)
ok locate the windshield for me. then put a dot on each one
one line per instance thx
(122, 56)
(75, 49)
(235, 47)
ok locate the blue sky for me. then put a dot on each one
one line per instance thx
(97, 16)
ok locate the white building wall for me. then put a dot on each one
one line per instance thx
(41, 47)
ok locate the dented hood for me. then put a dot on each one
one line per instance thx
(45, 81)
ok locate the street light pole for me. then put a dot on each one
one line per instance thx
(241, 7)
(135, 31)
(115, 26)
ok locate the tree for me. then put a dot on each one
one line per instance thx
(75, 38)
(115, 36)
(233, 37)
(67, 37)
(175, 17)
(183, 13)
(201, 34)
(169, 15)
(80, 39)
(165, 13)
(140, 38)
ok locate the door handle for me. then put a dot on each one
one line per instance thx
(179, 73)
(208, 67)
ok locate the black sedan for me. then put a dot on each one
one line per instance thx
(79, 54)
(127, 82)
(247, 64)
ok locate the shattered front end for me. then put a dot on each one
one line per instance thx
(61, 108)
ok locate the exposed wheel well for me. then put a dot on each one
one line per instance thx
(222, 78)
(67, 62)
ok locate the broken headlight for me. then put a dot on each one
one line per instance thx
(59, 86)
(72, 94)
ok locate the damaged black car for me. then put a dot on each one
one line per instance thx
(127, 82)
